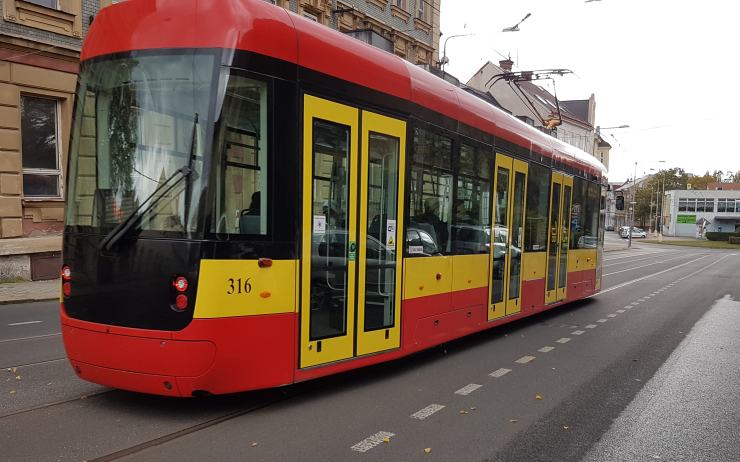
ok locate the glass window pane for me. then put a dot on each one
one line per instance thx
(517, 233)
(552, 254)
(471, 230)
(242, 153)
(500, 234)
(39, 133)
(47, 3)
(431, 184)
(382, 215)
(40, 185)
(564, 237)
(329, 255)
(578, 212)
(538, 194)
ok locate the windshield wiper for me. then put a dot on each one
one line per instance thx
(152, 199)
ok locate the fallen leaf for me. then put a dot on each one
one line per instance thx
(538, 397)
(17, 377)
(386, 440)
(83, 397)
(12, 392)
(427, 450)
(473, 408)
(463, 412)
(513, 420)
(14, 369)
(565, 427)
(553, 368)
(254, 445)
(49, 384)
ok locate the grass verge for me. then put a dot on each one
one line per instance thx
(696, 243)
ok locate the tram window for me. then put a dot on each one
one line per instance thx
(538, 196)
(241, 159)
(430, 186)
(591, 228)
(471, 228)
(578, 212)
(602, 216)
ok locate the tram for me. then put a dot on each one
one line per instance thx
(255, 200)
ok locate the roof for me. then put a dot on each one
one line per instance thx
(577, 107)
(259, 27)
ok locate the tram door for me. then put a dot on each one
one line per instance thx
(561, 191)
(507, 238)
(352, 204)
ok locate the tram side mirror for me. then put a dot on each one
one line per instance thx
(620, 203)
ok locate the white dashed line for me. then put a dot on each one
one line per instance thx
(591, 326)
(24, 323)
(546, 349)
(628, 307)
(371, 441)
(427, 411)
(525, 359)
(468, 389)
(602, 320)
(563, 340)
(612, 315)
(498, 373)
(578, 332)
(620, 311)
(635, 303)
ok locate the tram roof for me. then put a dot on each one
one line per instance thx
(259, 27)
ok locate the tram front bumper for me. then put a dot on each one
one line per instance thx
(138, 363)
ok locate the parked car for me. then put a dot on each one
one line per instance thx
(637, 232)
(624, 231)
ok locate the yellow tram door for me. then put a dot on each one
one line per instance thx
(507, 238)
(329, 241)
(381, 219)
(350, 281)
(556, 282)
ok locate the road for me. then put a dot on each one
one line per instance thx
(649, 369)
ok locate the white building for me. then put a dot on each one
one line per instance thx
(687, 211)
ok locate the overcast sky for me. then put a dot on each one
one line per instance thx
(669, 69)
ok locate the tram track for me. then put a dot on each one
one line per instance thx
(55, 403)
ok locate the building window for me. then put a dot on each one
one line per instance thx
(401, 4)
(424, 12)
(40, 146)
(58, 16)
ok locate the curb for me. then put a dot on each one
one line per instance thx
(28, 300)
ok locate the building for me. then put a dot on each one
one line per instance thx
(690, 211)
(627, 190)
(571, 121)
(724, 186)
(407, 28)
(40, 43)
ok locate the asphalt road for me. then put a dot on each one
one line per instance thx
(649, 369)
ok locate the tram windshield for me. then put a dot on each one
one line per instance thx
(139, 120)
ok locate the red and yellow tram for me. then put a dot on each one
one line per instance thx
(255, 200)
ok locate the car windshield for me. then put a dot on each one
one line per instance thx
(138, 120)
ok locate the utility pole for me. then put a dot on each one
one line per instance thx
(633, 202)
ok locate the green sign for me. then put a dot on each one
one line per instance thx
(352, 250)
(686, 219)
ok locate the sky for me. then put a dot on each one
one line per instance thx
(667, 69)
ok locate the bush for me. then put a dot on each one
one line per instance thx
(724, 237)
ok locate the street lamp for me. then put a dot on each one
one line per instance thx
(515, 27)
(445, 59)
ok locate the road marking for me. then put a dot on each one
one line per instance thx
(30, 338)
(602, 320)
(625, 284)
(591, 326)
(525, 359)
(578, 332)
(563, 340)
(642, 299)
(645, 266)
(468, 389)
(372, 441)
(611, 315)
(427, 411)
(546, 349)
(620, 311)
(635, 303)
(498, 373)
(24, 323)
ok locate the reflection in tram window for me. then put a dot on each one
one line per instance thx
(241, 153)
(471, 229)
(382, 213)
(538, 194)
(500, 234)
(431, 186)
(517, 234)
(329, 256)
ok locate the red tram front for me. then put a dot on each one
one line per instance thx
(255, 200)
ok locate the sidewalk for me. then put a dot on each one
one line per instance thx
(19, 292)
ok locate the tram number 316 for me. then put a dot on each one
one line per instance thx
(239, 286)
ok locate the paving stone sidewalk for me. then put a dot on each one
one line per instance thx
(18, 292)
